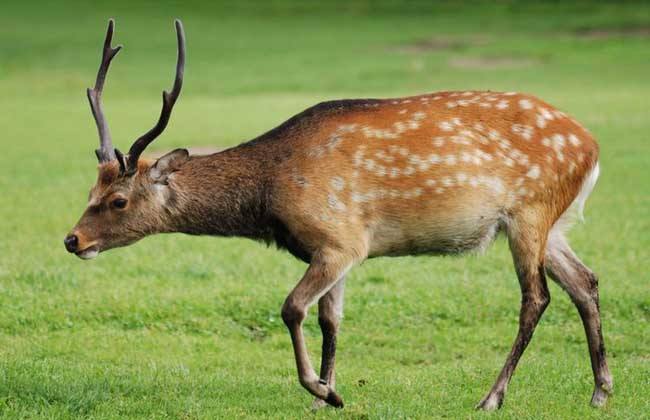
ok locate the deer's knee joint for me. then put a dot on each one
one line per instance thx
(539, 301)
(545, 299)
(292, 313)
(542, 302)
(593, 281)
(591, 290)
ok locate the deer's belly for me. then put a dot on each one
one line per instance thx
(437, 233)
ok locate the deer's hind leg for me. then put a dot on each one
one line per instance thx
(565, 268)
(527, 238)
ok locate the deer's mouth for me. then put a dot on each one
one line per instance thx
(88, 253)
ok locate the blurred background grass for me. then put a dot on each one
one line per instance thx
(189, 327)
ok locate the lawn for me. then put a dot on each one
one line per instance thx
(186, 327)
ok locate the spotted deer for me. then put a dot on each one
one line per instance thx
(344, 181)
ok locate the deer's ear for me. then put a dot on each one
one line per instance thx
(168, 164)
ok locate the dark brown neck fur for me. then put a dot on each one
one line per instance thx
(223, 194)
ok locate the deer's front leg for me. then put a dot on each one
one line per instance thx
(330, 311)
(325, 270)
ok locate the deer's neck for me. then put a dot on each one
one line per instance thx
(222, 194)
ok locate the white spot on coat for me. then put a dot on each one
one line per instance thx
(574, 140)
(337, 183)
(534, 172)
(450, 160)
(434, 158)
(447, 181)
(334, 203)
(524, 131)
(446, 126)
(492, 182)
(525, 104)
(559, 140)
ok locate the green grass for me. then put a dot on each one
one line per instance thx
(181, 327)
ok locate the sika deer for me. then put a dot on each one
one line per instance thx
(348, 180)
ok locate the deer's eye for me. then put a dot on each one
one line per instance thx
(119, 203)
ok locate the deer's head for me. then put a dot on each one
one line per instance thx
(129, 198)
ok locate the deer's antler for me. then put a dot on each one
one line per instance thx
(169, 99)
(105, 153)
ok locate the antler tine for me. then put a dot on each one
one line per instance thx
(169, 99)
(105, 152)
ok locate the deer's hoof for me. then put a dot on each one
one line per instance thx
(490, 402)
(318, 404)
(334, 400)
(600, 395)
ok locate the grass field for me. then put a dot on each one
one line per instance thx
(182, 327)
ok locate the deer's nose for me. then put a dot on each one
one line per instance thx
(71, 242)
